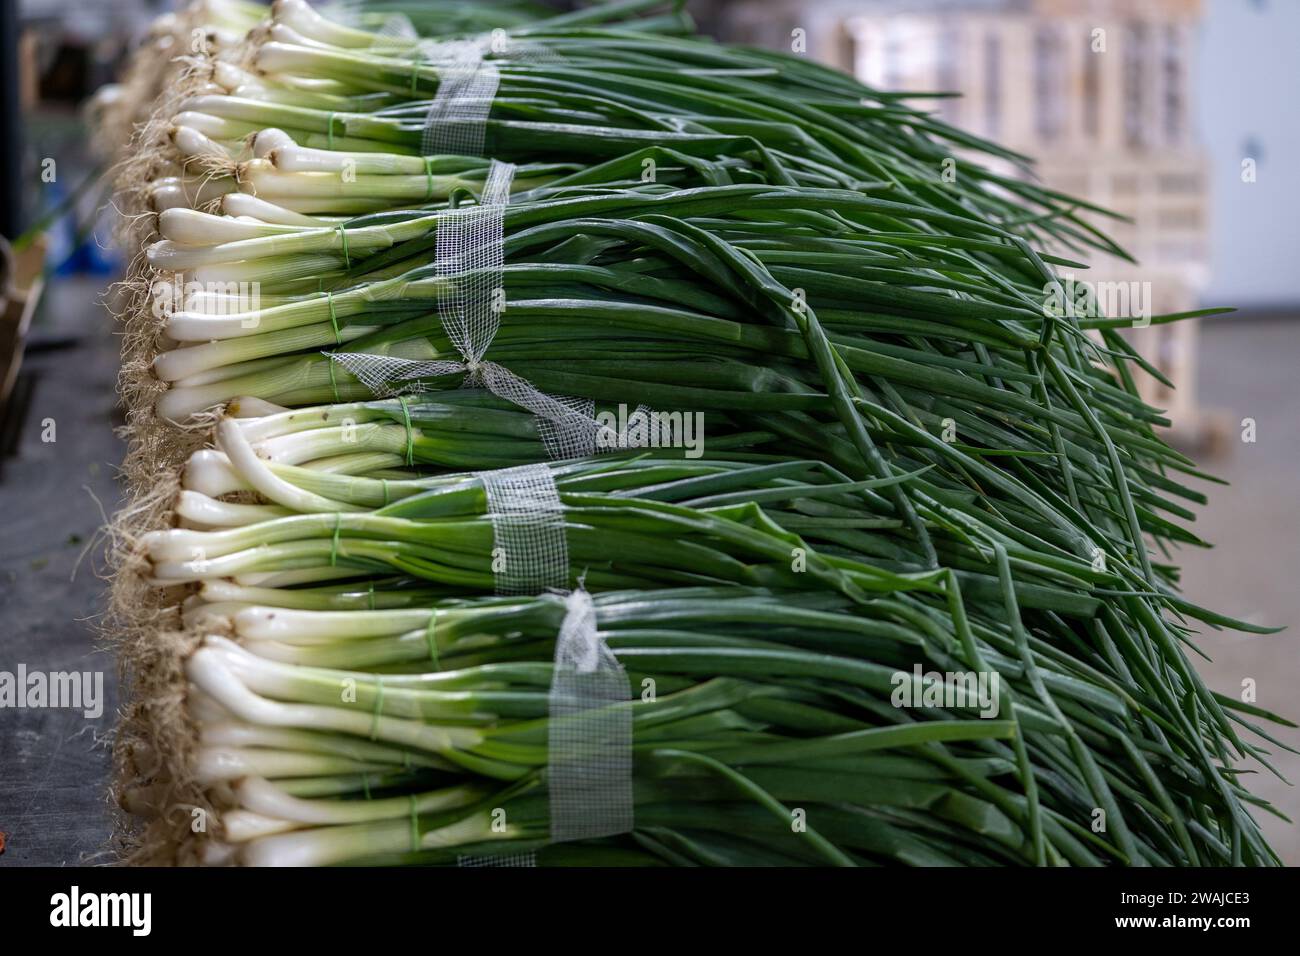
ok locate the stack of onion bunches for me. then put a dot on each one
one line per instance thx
(906, 469)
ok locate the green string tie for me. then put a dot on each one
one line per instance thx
(334, 541)
(428, 177)
(379, 709)
(410, 435)
(329, 131)
(334, 319)
(433, 644)
(343, 237)
(415, 71)
(334, 385)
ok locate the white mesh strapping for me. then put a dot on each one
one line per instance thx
(589, 738)
(471, 256)
(530, 553)
(498, 860)
(589, 745)
(469, 252)
(467, 85)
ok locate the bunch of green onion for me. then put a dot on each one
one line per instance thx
(909, 467)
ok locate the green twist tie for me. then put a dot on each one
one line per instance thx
(334, 385)
(334, 319)
(433, 644)
(329, 131)
(415, 71)
(410, 436)
(428, 176)
(343, 237)
(334, 541)
(384, 483)
(379, 709)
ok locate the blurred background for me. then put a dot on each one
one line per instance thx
(1178, 114)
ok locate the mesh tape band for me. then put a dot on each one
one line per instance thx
(530, 553)
(467, 85)
(470, 251)
(589, 743)
(500, 859)
(567, 426)
(397, 26)
(470, 254)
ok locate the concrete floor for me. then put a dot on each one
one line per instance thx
(1248, 370)
(55, 762)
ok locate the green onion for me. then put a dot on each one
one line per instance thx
(914, 479)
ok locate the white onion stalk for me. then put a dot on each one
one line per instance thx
(265, 798)
(216, 128)
(221, 302)
(323, 846)
(231, 440)
(280, 624)
(214, 764)
(271, 272)
(293, 380)
(202, 616)
(240, 826)
(269, 140)
(222, 374)
(331, 598)
(293, 578)
(268, 424)
(193, 325)
(255, 115)
(239, 681)
(181, 364)
(251, 408)
(209, 472)
(307, 22)
(288, 157)
(411, 647)
(242, 204)
(195, 228)
(208, 513)
(170, 545)
(220, 732)
(169, 192)
(191, 143)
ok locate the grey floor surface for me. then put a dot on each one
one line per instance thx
(1249, 370)
(54, 762)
